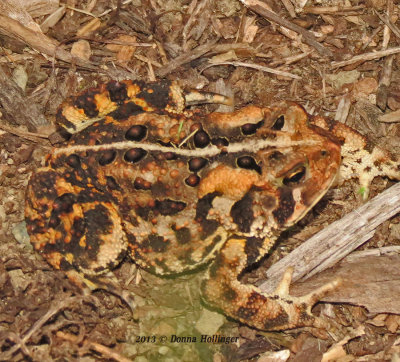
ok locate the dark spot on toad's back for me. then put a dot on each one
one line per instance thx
(169, 207)
(192, 180)
(183, 235)
(252, 249)
(63, 204)
(117, 91)
(156, 94)
(74, 161)
(197, 163)
(134, 155)
(87, 103)
(155, 243)
(107, 157)
(112, 183)
(242, 213)
(201, 139)
(136, 133)
(286, 205)
(125, 111)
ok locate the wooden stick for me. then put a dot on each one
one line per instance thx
(334, 10)
(366, 56)
(254, 66)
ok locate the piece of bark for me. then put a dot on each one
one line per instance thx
(17, 107)
(369, 281)
(370, 114)
(337, 240)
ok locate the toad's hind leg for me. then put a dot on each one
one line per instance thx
(77, 229)
(247, 303)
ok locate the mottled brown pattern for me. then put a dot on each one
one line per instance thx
(176, 189)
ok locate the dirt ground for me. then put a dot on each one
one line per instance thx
(336, 58)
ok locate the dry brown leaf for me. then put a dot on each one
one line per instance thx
(81, 49)
(124, 52)
(392, 322)
(364, 87)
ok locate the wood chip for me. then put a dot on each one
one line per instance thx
(392, 117)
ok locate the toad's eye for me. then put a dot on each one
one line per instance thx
(295, 176)
(279, 123)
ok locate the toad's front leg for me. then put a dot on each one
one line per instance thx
(246, 303)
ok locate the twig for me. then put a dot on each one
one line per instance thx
(384, 82)
(80, 11)
(87, 344)
(254, 66)
(296, 58)
(34, 137)
(371, 37)
(61, 303)
(366, 57)
(386, 250)
(385, 19)
(197, 53)
(386, 74)
(337, 240)
(107, 352)
(114, 8)
(185, 58)
(308, 37)
(319, 10)
(114, 41)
